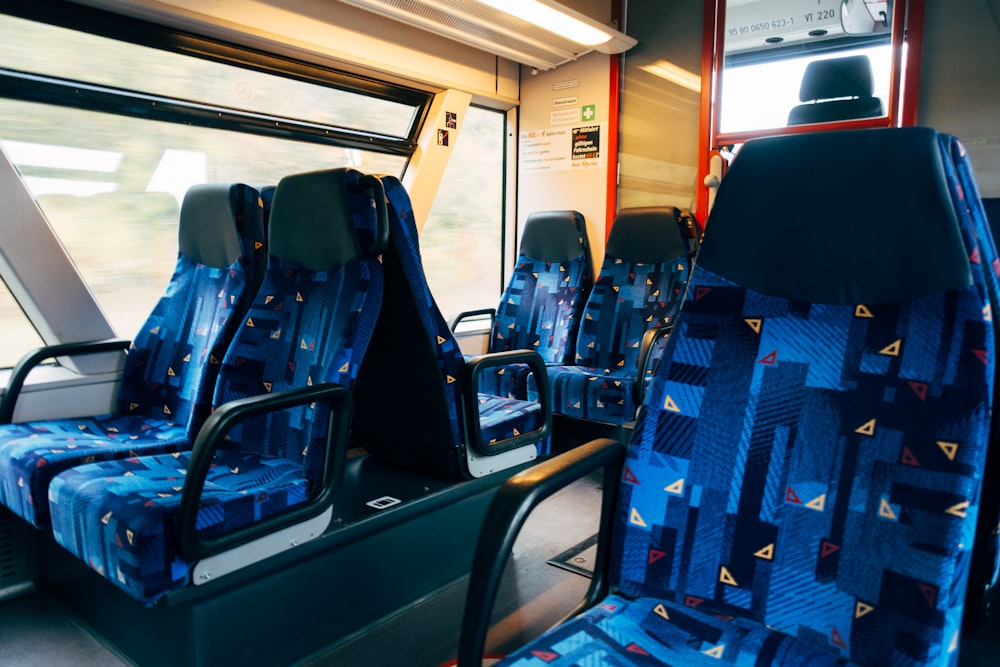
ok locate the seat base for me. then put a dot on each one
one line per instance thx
(373, 560)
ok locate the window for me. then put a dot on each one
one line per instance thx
(108, 135)
(760, 96)
(17, 333)
(460, 242)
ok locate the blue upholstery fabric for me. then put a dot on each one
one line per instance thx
(135, 503)
(305, 326)
(629, 297)
(803, 483)
(541, 307)
(979, 235)
(415, 365)
(621, 632)
(169, 375)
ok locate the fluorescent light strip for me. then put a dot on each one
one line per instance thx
(551, 19)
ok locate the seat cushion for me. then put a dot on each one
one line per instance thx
(595, 394)
(501, 418)
(32, 453)
(120, 516)
(658, 632)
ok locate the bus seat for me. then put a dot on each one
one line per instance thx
(415, 400)
(271, 455)
(638, 290)
(541, 307)
(837, 89)
(171, 367)
(803, 483)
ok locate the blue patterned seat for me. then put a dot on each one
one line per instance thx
(803, 483)
(415, 398)
(639, 288)
(171, 366)
(541, 307)
(271, 454)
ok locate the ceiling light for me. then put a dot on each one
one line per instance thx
(538, 33)
(558, 21)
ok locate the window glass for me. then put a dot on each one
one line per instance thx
(461, 240)
(16, 333)
(53, 51)
(110, 181)
(760, 96)
(111, 187)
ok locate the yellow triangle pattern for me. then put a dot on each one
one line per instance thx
(885, 511)
(715, 651)
(767, 553)
(892, 350)
(862, 311)
(817, 503)
(725, 577)
(669, 404)
(949, 449)
(676, 488)
(959, 509)
(868, 428)
(661, 611)
(636, 519)
(755, 324)
(345, 367)
(862, 608)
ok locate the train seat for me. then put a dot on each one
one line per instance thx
(541, 307)
(171, 367)
(837, 89)
(639, 289)
(271, 455)
(803, 482)
(416, 403)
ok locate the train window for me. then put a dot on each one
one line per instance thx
(761, 96)
(768, 44)
(461, 239)
(16, 331)
(108, 135)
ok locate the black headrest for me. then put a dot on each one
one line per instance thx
(553, 236)
(646, 234)
(850, 217)
(207, 230)
(838, 77)
(311, 223)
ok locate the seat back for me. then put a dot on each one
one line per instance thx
(415, 400)
(313, 314)
(837, 89)
(173, 363)
(640, 286)
(541, 306)
(810, 455)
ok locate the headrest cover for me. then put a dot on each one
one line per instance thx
(837, 77)
(552, 236)
(311, 223)
(207, 229)
(646, 234)
(851, 217)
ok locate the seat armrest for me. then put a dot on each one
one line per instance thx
(471, 399)
(471, 315)
(212, 435)
(645, 360)
(32, 359)
(510, 508)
